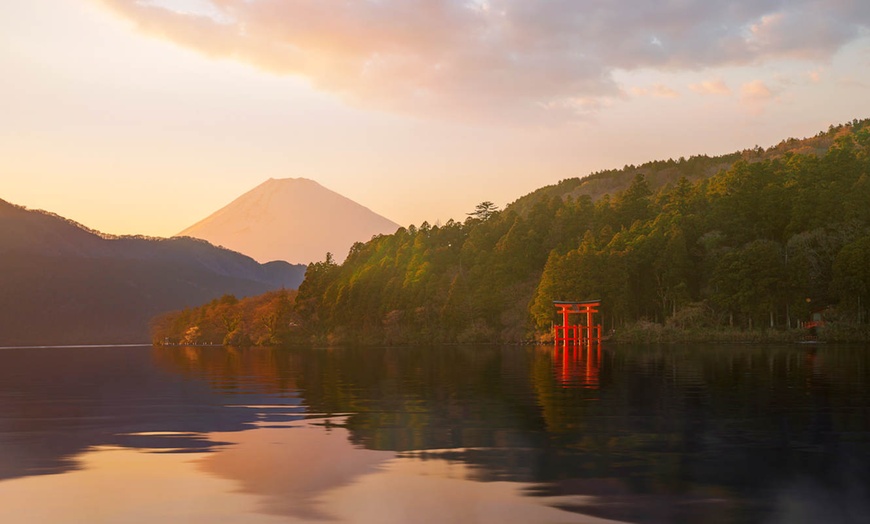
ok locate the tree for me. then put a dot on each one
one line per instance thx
(672, 267)
(310, 299)
(810, 259)
(634, 203)
(852, 275)
(191, 336)
(484, 210)
(749, 279)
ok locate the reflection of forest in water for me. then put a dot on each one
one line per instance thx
(715, 433)
(661, 433)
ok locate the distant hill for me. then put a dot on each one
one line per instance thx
(661, 173)
(63, 283)
(292, 219)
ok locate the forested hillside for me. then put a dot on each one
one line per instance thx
(660, 173)
(62, 283)
(764, 242)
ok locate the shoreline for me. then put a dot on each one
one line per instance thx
(80, 346)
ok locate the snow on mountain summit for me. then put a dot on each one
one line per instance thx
(292, 219)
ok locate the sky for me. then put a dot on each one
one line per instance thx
(145, 116)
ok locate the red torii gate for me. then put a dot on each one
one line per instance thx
(572, 333)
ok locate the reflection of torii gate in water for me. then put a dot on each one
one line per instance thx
(576, 367)
(574, 334)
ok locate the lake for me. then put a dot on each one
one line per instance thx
(443, 434)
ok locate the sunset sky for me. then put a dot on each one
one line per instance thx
(144, 116)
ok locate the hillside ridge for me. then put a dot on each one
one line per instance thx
(65, 283)
(661, 173)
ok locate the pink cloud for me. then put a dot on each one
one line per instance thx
(755, 91)
(711, 87)
(656, 90)
(512, 58)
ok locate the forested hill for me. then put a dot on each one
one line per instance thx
(63, 283)
(765, 241)
(660, 173)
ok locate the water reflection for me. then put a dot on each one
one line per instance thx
(290, 468)
(659, 434)
(577, 365)
(694, 434)
(57, 403)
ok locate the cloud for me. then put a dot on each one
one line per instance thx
(852, 82)
(755, 91)
(657, 90)
(513, 58)
(711, 87)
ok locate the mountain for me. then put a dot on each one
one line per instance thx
(63, 283)
(292, 219)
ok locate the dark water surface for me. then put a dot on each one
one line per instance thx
(447, 434)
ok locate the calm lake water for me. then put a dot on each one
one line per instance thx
(448, 434)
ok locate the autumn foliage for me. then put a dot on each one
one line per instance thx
(267, 319)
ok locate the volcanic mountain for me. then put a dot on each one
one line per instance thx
(292, 219)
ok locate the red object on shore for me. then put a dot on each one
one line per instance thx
(576, 333)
